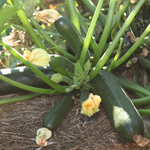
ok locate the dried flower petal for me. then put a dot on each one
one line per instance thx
(43, 134)
(47, 16)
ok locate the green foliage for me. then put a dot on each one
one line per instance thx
(2, 3)
(29, 6)
(7, 12)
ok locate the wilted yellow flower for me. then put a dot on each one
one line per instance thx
(43, 134)
(47, 16)
(39, 57)
(91, 105)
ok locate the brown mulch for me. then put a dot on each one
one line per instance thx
(20, 121)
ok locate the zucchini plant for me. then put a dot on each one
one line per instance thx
(81, 72)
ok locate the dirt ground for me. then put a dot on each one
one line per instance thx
(20, 121)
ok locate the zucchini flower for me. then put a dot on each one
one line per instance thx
(39, 57)
(47, 16)
(91, 105)
(43, 134)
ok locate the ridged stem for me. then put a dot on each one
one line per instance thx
(18, 98)
(34, 69)
(114, 43)
(89, 33)
(105, 33)
(27, 25)
(133, 48)
(28, 88)
(73, 13)
(89, 4)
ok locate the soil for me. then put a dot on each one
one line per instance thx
(20, 121)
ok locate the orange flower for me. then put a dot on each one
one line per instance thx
(91, 105)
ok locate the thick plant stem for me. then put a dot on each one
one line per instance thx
(51, 42)
(132, 25)
(114, 43)
(89, 4)
(115, 18)
(144, 111)
(141, 101)
(106, 32)
(132, 49)
(27, 25)
(116, 56)
(84, 28)
(89, 33)
(34, 69)
(19, 98)
(73, 13)
(128, 84)
(28, 88)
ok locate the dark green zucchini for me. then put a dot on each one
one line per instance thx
(56, 115)
(123, 114)
(25, 76)
(69, 32)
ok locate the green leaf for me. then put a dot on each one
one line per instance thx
(29, 6)
(2, 3)
(87, 68)
(6, 13)
(78, 72)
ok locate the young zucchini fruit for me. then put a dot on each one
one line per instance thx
(70, 33)
(56, 115)
(25, 76)
(124, 116)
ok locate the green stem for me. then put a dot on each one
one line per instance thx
(114, 43)
(132, 25)
(73, 13)
(89, 4)
(34, 69)
(115, 18)
(145, 11)
(144, 111)
(84, 28)
(113, 33)
(116, 56)
(89, 33)
(51, 42)
(28, 88)
(106, 32)
(133, 48)
(141, 101)
(27, 25)
(19, 98)
(128, 84)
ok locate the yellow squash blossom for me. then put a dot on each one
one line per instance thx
(39, 57)
(91, 105)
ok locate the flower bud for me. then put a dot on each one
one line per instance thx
(39, 57)
(56, 78)
(47, 16)
(91, 105)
